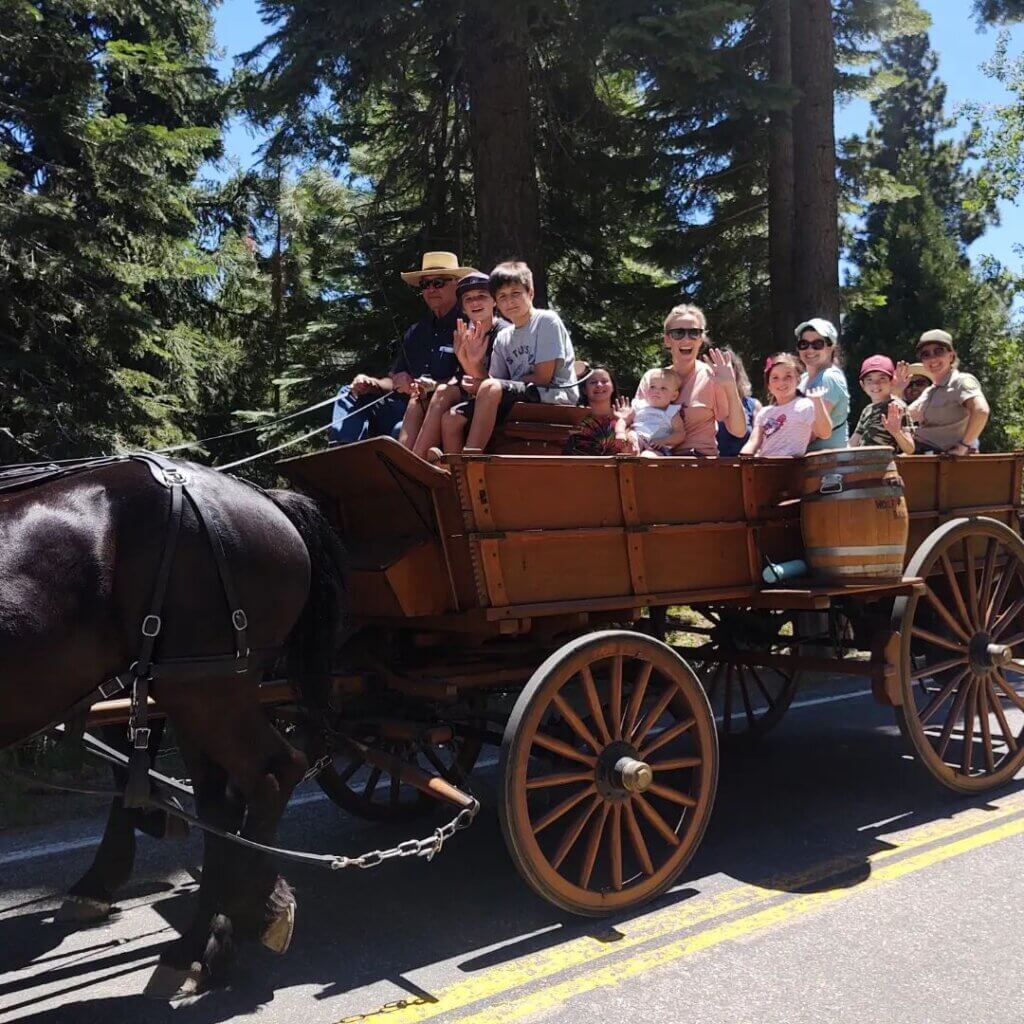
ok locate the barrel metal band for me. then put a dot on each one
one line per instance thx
(851, 552)
(895, 491)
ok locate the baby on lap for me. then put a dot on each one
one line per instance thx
(654, 426)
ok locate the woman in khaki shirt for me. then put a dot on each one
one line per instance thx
(952, 413)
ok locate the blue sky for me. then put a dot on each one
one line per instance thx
(961, 47)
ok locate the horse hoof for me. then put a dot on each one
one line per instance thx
(82, 910)
(277, 936)
(171, 984)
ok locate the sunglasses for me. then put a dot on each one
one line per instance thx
(933, 353)
(817, 344)
(678, 333)
(434, 282)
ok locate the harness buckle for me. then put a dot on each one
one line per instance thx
(151, 625)
(242, 662)
(110, 687)
(140, 738)
(239, 620)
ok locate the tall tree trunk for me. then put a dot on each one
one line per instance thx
(781, 188)
(816, 193)
(504, 166)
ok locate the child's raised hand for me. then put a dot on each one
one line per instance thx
(893, 421)
(721, 365)
(902, 377)
(814, 393)
(623, 410)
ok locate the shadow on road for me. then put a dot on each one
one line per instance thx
(801, 813)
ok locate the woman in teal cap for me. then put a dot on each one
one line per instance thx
(817, 345)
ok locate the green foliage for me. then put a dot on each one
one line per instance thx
(109, 110)
(912, 270)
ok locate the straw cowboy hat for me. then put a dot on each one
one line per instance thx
(435, 264)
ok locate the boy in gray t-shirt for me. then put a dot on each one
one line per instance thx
(532, 361)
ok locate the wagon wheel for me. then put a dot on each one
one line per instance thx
(373, 792)
(609, 765)
(962, 690)
(748, 700)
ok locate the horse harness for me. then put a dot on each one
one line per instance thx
(141, 673)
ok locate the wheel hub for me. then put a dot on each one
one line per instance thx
(620, 772)
(986, 655)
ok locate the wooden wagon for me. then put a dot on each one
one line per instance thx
(502, 599)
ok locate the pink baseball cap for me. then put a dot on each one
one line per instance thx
(877, 364)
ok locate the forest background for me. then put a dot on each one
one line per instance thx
(636, 153)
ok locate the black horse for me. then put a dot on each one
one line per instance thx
(79, 560)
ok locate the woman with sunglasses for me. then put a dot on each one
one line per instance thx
(952, 413)
(709, 394)
(817, 345)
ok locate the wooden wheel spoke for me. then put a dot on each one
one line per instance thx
(636, 698)
(594, 703)
(1007, 618)
(987, 575)
(972, 582)
(769, 700)
(371, 783)
(615, 699)
(747, 708)
(1006, 577)
(951, 720)
(593, 845)
(353, 766)
(938, 641)
(970, 713)
(575, 830)
(939, 667)
(576, 723)
(727, 703)
(556, 746)
(945, 615)
(674, 764)
(660, 825)
(431, 754)
(667, 736)
(395, 790)
(1010, 692)
(672, 795)
(941, 697)
(954, 589)
(558, 779)
(636, 838)
(654, 714)
(986, 727)
(992, 699)
(559, 810)
(615, 844)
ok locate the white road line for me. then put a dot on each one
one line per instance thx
(85, 841)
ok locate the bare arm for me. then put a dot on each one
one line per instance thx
(979, 414)
(822, 428)
(753, 445)
(542, 373)
(895, 417)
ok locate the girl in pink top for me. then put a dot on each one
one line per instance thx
(708, 392)
(786, 427)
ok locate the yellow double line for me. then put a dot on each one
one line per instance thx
(745, 900)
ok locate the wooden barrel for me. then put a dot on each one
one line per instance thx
(853, 514)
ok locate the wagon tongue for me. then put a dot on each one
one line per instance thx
(433, 785)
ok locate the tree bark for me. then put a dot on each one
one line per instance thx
(496, 56)
(816, 193)
(781, 187)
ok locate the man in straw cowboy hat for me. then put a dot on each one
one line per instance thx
(426, 353)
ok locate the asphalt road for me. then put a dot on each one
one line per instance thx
(836, 883)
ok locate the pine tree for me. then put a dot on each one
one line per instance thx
(108, 113)
(912, 269)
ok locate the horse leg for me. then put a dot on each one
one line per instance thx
(203, 954)
(90, 899)
(242, 784)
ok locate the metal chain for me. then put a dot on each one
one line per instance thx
(427, 847)
(317, 767)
